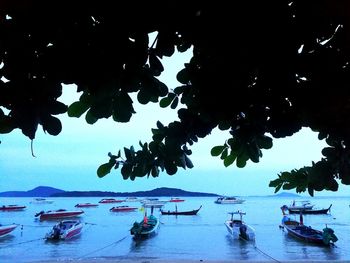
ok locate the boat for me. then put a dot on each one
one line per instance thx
(238, 228)
(312, 211)
(7, 229)
(12, 207)
(123, 208)
(57, 214)
(176, 199)
(65, 229)
(131, 199)
(228, 200)
(183, 213)
(86, 205)
(300, 205)
(109, 201)
(147, 227)
(153, 202)
(307, 233)
(40, 200)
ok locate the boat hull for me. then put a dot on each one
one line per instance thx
(183, 213)
(123, 209)
(12, 208)
(310, 211)
(86, 205)
(60, 215)
(7, 229)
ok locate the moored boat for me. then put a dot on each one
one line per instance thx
(153, 202)
(238, 228)
(12, 207)
(131, 199)
(176, 200)
(7, 229)
(183, 213)
(86, 205)
(65, 229)
(58, 214)
(309, 211)
(300, 205)
(146, 228)
(123, 208)
(228, 200)
(40, 200)
(109, 201)
(307, 233)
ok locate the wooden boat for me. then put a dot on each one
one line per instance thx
(239, 229)
(145, 228)
(58, 214)
(183, 213)
(312, 211)
(123, 208)
(86, 205)
(300, 205)
(65, 229)
(176, 200)
(109, 201)
(307, 233)
(7, 229)
(41, 201)
(12, 207)
(228, 200)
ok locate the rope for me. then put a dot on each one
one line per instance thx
(262, 252)
(97, 250)
(20, 243)
(258, 249)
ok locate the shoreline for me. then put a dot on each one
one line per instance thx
(111, 260)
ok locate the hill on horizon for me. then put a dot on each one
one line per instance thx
(40, 191)
(46, 191)
(162, 191)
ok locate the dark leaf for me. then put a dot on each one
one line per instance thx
(217, 150)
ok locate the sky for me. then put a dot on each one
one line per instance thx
(69, 161)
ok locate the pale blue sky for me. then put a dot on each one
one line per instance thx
(69, 160)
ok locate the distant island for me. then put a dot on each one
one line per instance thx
(40, 191)
(46, 191)
(285, 194)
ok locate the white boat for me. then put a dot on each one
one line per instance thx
(153, 202)
(300, 205)
(7, 229)
(239, 229)
(228, 200)
(41, 201)
(65, 229)
(131, 199)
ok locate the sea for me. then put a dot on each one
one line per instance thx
(106, 235)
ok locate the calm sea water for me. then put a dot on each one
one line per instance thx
(106, 234)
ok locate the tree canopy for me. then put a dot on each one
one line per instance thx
(259, 69)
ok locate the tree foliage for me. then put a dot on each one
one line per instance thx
(259, 69)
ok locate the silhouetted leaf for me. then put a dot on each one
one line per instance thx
(217, 150)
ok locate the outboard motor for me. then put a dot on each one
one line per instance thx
(328, 236)
(243, 232)
(40, 213)
(56, 233)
